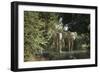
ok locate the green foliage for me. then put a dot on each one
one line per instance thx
(38, 28)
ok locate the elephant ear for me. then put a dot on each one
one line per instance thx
(74, 35)
(66, 27)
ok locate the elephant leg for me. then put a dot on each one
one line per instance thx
(66, 44)
(72, 45)
(69, 45)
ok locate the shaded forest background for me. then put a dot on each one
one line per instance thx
(39, 28)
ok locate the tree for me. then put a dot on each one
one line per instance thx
(38, 29)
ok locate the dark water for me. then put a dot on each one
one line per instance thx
(67, 55)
